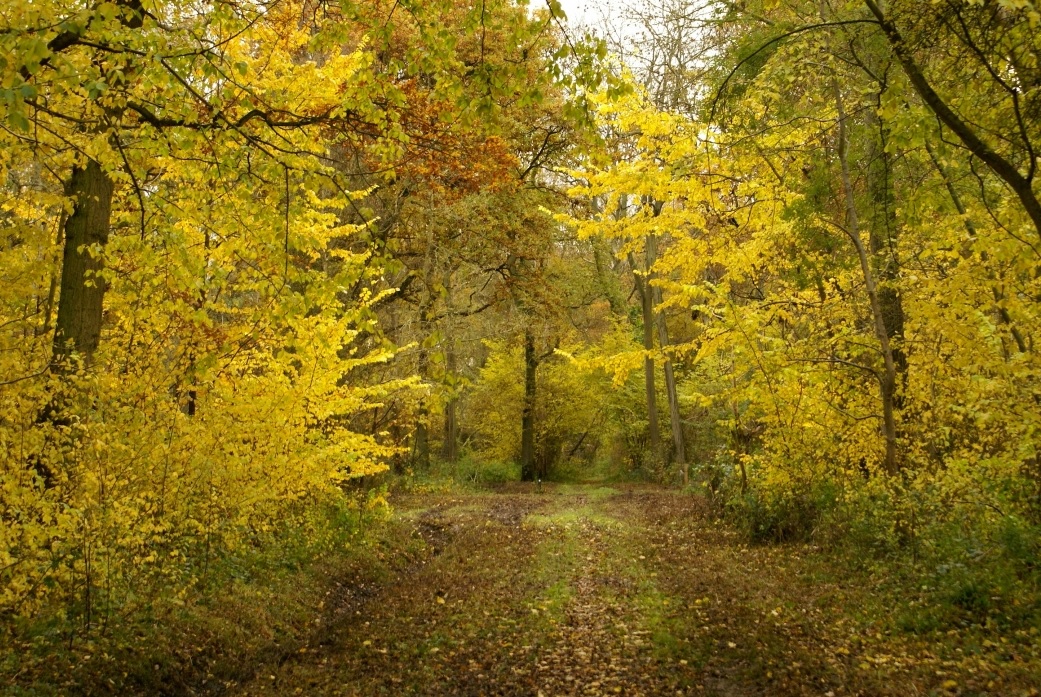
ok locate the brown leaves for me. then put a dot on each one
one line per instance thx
(635, 595)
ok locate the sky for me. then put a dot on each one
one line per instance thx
(577, 10)
(600, 15)
(581, 12)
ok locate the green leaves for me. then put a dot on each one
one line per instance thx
(18, 121)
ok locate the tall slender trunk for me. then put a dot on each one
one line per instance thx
(421, 456)
(654, 430)
(647, 311)
(643, 290)
(81, 299)
(888, 379)
(884, 235)
(450, 443)
(528, 419)
(678, 451)
(421, 450)
(52, 286)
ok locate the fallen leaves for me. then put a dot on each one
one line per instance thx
(552, 596)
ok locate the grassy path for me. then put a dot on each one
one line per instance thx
(586, 591)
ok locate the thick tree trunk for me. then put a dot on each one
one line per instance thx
(528, 419)
(77, 328)
(81, 300)
(888, 379)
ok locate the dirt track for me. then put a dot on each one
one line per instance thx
(596, 591)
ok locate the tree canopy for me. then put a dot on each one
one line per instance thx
(256, 254)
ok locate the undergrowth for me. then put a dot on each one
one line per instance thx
(249, 611)
(938, 565)
(465, 474)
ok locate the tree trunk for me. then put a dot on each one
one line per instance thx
(421, 456)
(52, 286)
(81, 300)
(77, 327)
(528, 419)
(450, 444)
(647, 307)
(678, 451)
(421, 449)
(884, 235)
(888, 379)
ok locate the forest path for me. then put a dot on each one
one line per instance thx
(584, 591)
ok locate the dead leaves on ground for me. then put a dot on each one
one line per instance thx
(634, 594)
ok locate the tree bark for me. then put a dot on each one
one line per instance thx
(647, 310)
(81, 299)
(421, 451)
(888, 379)
(678, 451)
(77, 327)
(884, 236)
(421, 456)
(450, 444)
(528, 419)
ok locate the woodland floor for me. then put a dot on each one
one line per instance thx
(632, 591)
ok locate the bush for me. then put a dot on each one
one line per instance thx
(791, 517)
(468, 471)
(476, 472)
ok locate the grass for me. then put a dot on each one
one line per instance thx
(512, 591)
(465, 475)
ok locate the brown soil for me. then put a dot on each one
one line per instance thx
(583, 591)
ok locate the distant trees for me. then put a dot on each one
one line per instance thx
(848, 194)
(218, 222)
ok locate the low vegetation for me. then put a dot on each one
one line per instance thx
(698, 355)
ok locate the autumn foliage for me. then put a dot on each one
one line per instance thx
(202, 384)
(258, 260)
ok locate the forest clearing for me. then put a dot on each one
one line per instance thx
(460, 347)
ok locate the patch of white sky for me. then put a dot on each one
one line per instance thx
(614, 17)
(616, 21)
(664, 42)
